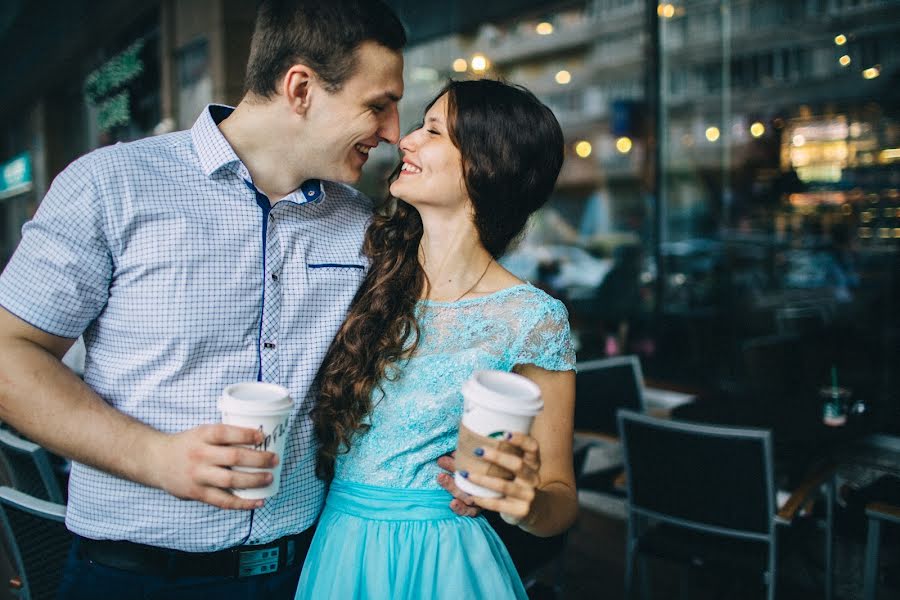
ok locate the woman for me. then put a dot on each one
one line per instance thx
(436, 306)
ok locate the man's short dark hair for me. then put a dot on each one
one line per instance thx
(322, 34)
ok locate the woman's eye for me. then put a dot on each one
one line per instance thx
(433, 132)
(377, 108)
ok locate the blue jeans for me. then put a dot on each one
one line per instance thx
(86, 580)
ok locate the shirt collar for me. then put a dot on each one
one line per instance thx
(213, 149)
(215, 153)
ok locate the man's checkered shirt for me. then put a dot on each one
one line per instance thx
(183, 280)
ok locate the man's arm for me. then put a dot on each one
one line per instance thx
(43, 399)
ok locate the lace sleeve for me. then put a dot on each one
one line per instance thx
(547, 342)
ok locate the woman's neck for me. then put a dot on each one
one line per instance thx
(452, 256)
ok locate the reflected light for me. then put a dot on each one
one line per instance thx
(798, 140)
(623, 144)
(844, 60)
(544, 28)
(872, 72)
(840, 39)
(889, 154)
(583, 149)
(666, 10)
(563, 77)
(712, 133)
(757, 129)
(460, 65)
(479, 63)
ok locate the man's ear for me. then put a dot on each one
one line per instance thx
(298, 85)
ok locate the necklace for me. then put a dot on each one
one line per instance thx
(483, 273)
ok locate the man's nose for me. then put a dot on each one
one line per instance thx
(390, 127)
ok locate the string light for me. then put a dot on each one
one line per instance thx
(479, 63)
(583, 149)
(563, 77)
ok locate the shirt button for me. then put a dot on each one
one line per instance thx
(268, 345)
(274, 276)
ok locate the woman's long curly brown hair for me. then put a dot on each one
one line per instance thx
(512, 150)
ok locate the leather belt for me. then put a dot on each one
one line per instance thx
(239, 561)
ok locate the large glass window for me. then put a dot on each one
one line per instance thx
(731, 181)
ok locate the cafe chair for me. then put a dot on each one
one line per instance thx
(38, 540)
(877, 513)
(704, 495)
(602, 387)
(30, 468)
(808, 319)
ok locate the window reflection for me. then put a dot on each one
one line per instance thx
(776, 193)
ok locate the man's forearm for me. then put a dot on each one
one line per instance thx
(43, 399)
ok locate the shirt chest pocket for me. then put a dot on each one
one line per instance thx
(335, 280)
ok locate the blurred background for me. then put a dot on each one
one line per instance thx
(731, 170)
(729, 206)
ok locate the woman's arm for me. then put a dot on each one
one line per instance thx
(542, 498)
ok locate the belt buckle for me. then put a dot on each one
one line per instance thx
(257, 562)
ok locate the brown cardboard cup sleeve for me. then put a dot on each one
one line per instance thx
(467, 461)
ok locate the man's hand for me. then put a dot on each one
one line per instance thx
(196, 465)
(462, 504)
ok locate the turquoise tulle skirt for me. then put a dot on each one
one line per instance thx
(393, 544)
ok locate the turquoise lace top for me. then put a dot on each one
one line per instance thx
(416, 419)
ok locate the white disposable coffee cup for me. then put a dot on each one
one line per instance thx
(496, 402)
(266, 407)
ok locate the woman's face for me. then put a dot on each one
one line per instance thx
(432, 166)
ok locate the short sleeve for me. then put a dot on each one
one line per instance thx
(547, 343)
(58, 278)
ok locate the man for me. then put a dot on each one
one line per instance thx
(190, 261)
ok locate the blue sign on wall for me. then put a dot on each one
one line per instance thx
(15, 176)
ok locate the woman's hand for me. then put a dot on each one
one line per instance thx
(518, 494)
(462, 504)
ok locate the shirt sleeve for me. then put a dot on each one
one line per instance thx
(548, 342)
(59, 276)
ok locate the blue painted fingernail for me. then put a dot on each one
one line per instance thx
(479, 451)
(464, 474)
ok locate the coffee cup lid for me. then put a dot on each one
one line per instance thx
(255, 397)
(503, 391)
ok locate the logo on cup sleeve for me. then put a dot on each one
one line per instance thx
(271, 439)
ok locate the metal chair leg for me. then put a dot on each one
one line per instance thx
(644, 573)
(829, 538)
(631, 535)
(773, 568)
(870, 580)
